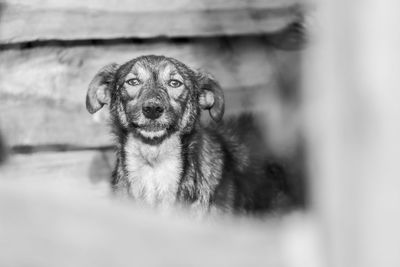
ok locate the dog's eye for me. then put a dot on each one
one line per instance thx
(174, 83)
(133, 82)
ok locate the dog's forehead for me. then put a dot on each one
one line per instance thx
(156, 64)
(162, 68)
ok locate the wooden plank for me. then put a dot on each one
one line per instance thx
(63, 73)
(22, 21)
(42, 90)
(88, 170)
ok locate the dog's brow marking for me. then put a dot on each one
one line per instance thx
(167, 71)
(131, 75)
(140, 71)
(174, 74)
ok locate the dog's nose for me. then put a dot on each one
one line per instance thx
(152, 110)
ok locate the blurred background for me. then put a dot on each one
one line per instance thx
(324, 75)
(50, 51)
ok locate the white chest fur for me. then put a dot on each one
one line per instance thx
(154, 170)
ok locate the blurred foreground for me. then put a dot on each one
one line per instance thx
(44, 226)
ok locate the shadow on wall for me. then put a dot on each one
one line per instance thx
(3, 150)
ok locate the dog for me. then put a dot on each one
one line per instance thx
(165, 156)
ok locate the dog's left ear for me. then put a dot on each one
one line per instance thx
(98, 92)
(211, 95)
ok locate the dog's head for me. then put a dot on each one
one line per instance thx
(155, 96)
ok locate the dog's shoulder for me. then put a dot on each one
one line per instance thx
(256, 178)
(242, 136)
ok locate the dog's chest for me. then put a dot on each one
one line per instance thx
(154, 171)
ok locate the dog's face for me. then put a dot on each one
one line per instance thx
(154, 96)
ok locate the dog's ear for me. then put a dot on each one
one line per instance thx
(211, 95)
(98, 93)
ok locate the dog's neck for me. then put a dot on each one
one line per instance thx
(154, 171)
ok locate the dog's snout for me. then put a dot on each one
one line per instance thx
(152, 110)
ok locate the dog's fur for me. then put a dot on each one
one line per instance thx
(174, 159)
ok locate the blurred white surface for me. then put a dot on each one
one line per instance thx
(351, 103)
(41, 226)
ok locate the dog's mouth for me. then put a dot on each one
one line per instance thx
(152, 126)
(152, 130)
(153, 134)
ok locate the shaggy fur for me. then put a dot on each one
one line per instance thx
(168, 157)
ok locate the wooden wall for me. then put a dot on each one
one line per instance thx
(50, 50)
(60, 157)
(113, 19)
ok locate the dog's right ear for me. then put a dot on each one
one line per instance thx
(99, 92)
(211, 95)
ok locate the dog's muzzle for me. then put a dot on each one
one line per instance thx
(152, 109)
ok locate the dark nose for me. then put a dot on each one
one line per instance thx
(152, 110)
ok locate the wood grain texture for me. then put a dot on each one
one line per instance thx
(63, 72)
(42, 90)
(22, 21)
